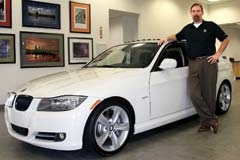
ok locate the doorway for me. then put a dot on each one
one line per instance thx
(123, 27)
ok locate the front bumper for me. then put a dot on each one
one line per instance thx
(31, 124)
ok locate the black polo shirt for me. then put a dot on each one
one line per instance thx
(201, 41)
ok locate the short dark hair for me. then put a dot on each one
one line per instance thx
(196, 4)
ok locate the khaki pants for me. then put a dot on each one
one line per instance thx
(202, 88)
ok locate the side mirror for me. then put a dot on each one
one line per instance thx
(168, 63)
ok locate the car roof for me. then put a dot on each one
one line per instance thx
(143, 40)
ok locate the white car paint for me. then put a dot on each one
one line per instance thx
(157, 98)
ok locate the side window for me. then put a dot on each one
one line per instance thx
(175, 53)
(175, 50)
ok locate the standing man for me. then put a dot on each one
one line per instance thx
(201, 38)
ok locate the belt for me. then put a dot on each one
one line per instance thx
(198, 58)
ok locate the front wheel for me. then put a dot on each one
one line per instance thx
(108, 128)
(224, 98)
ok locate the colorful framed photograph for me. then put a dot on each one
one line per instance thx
(7, 48)
(41, 50)
(80, 50)
(5, 13)
(41, 14)
(80, 17)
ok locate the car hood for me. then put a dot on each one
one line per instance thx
(85, 81)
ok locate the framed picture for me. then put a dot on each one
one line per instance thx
(80, 50)
(7, 48)
(5, 13)
(40, 14)
(80, 17)
(41, 50)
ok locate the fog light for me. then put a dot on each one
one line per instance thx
(60, 137)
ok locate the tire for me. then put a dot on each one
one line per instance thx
(108, 128)
(224, 98)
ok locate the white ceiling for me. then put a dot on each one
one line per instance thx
(116, 13)
(214, 2)
(232, 25)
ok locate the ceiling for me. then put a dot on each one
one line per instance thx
(213, 1)
(116, 13)
(229, 25)
(232, 25)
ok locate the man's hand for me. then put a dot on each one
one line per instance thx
(166, 39)
(162, 40)
(214, 58)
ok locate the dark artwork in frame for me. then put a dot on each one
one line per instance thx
(7, 48)
(80, 17)
(6, 13)
(41, 14)
(41, 50)
(80, 50)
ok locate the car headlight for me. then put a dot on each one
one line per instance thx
(61, 103)
(10, 99)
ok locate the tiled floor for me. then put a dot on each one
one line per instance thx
(178, 141)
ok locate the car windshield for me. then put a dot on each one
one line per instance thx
(133, 55)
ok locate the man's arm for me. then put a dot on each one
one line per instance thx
(169, 38)
(223, 46)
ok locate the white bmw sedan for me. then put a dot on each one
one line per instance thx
(128, 89)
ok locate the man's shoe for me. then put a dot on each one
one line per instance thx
(215, 126)
(204, 128)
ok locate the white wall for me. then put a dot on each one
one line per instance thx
(233, 49)
(12, 76)
(227, 12)
(158, 18)
(130, 28)
(115, 31)
(123, 29)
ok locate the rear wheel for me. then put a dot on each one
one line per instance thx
(108, 128)
(224, 98)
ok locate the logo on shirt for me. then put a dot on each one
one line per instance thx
(205, 30)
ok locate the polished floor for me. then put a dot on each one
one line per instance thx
(177, 141)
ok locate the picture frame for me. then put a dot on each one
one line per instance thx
(41, 50)
(7, 48)
(6, 13)
(41, 14)
(80, 17)
(80, 50)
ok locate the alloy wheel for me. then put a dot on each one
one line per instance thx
(224, 99)
(112, 128)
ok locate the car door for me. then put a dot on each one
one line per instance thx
(168, 88)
